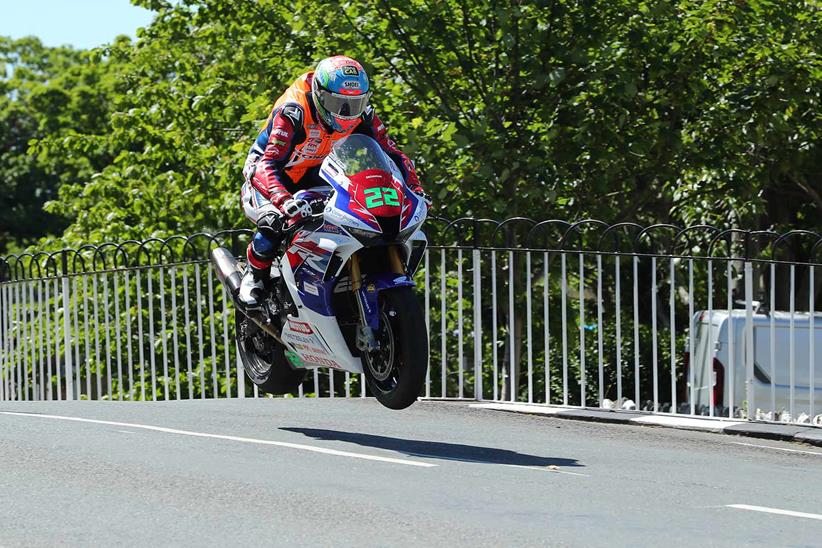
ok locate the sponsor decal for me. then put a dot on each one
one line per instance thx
(309, 348)
(350, 70)
(310, 288)
(300, 327)
(291, 337)
(312, 146)
(321, 360)
(351, 84)
(332, 229)
(302, 155)
(313, 133)
(294, 358)
(281, 132)
(279, 142)
(371, 288)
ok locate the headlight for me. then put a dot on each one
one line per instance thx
(362, 235)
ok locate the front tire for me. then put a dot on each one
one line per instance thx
(264, 359)
(395, 373)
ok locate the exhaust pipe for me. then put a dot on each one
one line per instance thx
(228, 271)
(230, 274)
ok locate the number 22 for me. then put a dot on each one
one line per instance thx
(376, 197)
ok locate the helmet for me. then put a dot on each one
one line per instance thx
(340, 92)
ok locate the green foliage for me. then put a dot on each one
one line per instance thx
(52, 93)
(650, 111)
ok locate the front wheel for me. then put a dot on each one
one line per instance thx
(395, 372)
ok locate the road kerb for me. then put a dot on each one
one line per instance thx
(783, 432)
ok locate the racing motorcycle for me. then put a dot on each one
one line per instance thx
(341, 295)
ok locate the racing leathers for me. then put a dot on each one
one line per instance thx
(286, 157)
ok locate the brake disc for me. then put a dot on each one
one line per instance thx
(380, 362)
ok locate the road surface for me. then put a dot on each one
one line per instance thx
(349, 472)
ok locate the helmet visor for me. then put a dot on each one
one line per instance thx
(346, 107)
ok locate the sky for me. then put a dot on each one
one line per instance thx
(80, 23)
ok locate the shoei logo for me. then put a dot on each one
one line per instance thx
(300, 327)
(350, 70)
(351, 84)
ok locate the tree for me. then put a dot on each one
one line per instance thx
(47, 93)
(626, 110)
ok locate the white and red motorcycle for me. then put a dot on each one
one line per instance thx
(342, 296)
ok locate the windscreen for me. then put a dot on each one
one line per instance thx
(357, 153)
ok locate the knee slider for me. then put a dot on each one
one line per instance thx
(263, 245)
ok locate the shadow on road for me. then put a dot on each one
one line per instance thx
(435, 449)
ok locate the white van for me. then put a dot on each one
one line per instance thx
(719, 362)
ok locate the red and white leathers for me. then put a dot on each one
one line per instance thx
(293, 143)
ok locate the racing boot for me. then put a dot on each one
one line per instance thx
(252, 288)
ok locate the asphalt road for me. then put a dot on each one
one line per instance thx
(336, 472)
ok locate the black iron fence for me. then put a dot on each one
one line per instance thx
(696, 320)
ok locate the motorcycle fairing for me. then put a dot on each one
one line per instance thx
(315, 259)
(314, 335)
(342, 209)
(414, 248)
(314, 285)
(307, 348)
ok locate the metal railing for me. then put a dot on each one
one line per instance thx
(576, 314)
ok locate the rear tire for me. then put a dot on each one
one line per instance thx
(395, 374)
(264, 360)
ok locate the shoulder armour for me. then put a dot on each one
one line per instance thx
(294, 112)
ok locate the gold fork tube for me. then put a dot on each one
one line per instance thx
(354, 270)
(394, 260)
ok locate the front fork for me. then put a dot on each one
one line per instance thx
(367, 298)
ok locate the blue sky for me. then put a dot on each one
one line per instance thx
(79, 23)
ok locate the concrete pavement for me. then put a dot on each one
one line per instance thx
(346, 472)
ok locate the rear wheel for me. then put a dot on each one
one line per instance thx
(395, 372)
(264, 359)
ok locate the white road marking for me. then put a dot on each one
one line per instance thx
(302, 447)
(126, 432)
(547, 469)
(778, 448)
(775, 511)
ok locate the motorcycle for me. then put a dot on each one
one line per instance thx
(341, 295)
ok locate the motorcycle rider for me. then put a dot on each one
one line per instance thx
(318, 109)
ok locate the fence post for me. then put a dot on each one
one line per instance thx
(67, 331)
(749, 346)
(477, 319)
(3, 338)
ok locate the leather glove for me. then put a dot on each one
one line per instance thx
(296, 209)
(270, 221)
(421, 193)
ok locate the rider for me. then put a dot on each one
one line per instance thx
(320, 108)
